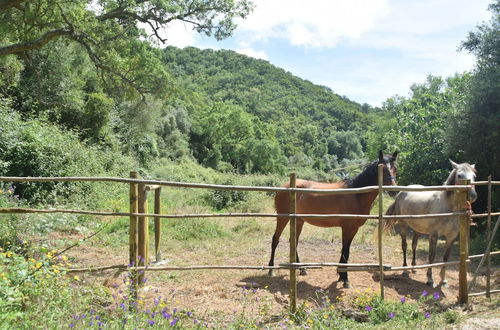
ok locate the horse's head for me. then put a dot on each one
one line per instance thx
(390, 168)
(463, 171)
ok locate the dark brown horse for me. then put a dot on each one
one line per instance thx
(310, 203)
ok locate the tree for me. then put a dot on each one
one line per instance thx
(476, 124)
(110, 31)
(419, 132)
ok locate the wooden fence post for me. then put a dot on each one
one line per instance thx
(157, 224)
(488, 239)
(462, 200)
(143, 232)
(293, 244)
(380, 226)
(133, 240)
(133, 221)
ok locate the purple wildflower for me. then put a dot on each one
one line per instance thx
(122, 305)
(403, 299)
(436, 295)
(166, 315)
(425, 293)
(151, 322)
(368, 308)
(71, 325)
(91, 323)
(99, 323)
(427, 315)
(391, 315)
(189, 314)
(174, 322)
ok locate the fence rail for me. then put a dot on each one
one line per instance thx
(139, 217)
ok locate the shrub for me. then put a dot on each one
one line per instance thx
(35, 148)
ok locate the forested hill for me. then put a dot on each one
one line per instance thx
(261, 88)
(311, 125)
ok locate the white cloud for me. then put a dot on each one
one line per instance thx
(179, 34)
(312, 24)
(253, 53)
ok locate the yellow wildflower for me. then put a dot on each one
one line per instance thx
(38, 265)
(76, 278)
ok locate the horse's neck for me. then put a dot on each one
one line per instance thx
(451, 196)
(366, 178)
(450, 201)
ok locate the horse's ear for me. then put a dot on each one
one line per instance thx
(380, 157)
(394, 155)
(453, 164)
(473, 166)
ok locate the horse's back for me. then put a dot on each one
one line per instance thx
(282, 198)
(424, 202)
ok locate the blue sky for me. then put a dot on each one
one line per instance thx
(367, 50)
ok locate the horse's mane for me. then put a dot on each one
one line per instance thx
(366, 178)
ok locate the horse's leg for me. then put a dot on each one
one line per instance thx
(298, 229)
(432, 254)
(447, 250)
(403, 231)
(347, 236)
(414, 243)
(281, 223)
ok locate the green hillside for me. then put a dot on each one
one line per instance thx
(312, 125)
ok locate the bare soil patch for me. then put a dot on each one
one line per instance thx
(232, 291)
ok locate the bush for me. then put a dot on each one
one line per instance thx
(35, 148)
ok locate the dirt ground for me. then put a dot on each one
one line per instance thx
(232, 291)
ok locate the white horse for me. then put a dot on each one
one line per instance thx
(431, 202)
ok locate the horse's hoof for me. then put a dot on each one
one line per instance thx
(406, 274)
(303, 272)
(270, 273)
(444, 284)
(347, 285)
(430, 283)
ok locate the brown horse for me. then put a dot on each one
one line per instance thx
(310, 203)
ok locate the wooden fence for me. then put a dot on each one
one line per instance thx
(139, 234)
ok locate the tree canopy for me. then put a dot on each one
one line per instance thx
(110, 31)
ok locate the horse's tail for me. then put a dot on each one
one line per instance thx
(389, 223)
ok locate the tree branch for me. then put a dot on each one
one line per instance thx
(7, 4)
(34, 44)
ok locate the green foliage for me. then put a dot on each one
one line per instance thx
(419, 132)
(223, 199)
(226, 133)
(34, 148)
(34, 290)
(476, 125)
(276, 113)
(108, 32)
